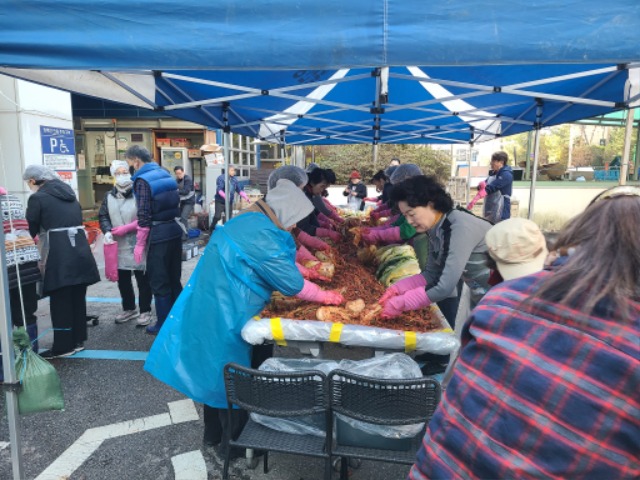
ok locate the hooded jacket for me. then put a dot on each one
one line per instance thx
(54, 206)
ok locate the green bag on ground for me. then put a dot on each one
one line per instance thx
(41, 390)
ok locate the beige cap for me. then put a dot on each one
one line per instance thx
(518, 247)
(211, 148)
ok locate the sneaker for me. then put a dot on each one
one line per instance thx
(50, 354)
(145, 319)
(126, 316)
(79, 347)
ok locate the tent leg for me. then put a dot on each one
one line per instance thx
(10, 377)
(468, 199)
(534, 172)
(626, 152)
(226, 140)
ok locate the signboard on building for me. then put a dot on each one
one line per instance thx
(58, 148)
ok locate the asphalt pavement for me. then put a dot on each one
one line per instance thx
(121, 423)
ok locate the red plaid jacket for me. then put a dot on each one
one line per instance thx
(553, 393)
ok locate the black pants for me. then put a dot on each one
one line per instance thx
(29, 301)
(164, 268)
(68, 307)
(219, 210)
(185, 212)
(216, 424)
(125, 285)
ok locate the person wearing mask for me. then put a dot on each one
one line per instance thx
(356, 191)
(118, 218)
(158, 233)
(187, 195)
(22, 259)
(246, 260)
(546, 385)
(67, 264)
(497, 189)
(311, 225)
(457, 249)
(394, 162)
(397, 229)
(221, 195)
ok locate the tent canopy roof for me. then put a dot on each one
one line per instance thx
(332, 34)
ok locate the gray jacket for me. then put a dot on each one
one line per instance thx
(457, 250)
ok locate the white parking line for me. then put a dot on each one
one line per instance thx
(189, 466)
(74, 456)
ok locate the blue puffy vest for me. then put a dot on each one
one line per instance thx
(165, 202)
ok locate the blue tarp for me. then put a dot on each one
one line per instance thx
(327, 34)
(363, 71)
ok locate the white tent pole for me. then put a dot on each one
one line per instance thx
(8, 368)
(375, 154)
(534, 172)
(226, 144)
(469, 172)
(626, 152)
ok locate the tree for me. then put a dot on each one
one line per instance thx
(343, 159)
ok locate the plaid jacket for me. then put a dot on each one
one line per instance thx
(553, 393)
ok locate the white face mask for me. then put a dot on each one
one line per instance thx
(123, 180)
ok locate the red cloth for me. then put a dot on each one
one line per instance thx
(111, 261)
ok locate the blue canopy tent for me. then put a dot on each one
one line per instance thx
(364, 71)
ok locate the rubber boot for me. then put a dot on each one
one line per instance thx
(32, 331)
(163, 307)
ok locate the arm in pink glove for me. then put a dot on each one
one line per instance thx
(411, 300)
(402, 286)
(111, 261)
(473, 202)
(336, 218)
(312, 242)
(304, 255)
(221, 193)
(384, 236)
(244, 196)
(141, 243)
(326, 223)
(329, 205)
(124, 229)
(370, 199)
(313, 293)
(325, 232)
(3, 191)
(310, 273)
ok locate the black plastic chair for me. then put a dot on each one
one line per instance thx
(379, 402)
(287, 394)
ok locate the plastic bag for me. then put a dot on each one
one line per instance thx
(41, 390)
(394, 366)
(97, 248)
(111, 261)
(306, 425)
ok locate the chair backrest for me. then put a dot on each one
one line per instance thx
(382, 401)
(276, 394)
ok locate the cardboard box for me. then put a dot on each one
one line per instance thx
(194, 153)
(163, 142)
(180, 142)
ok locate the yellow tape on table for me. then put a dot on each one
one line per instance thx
(410, 341)
(336, 331)
(278, 333)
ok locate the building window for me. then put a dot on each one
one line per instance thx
(243, 155)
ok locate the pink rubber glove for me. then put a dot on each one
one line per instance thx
(337, 218)
(141, 243)
(402, 286)
(475, 200)
(371, 199)
(325, 232)
(326, 224)
(3, 191)
(482, 185)
(390, 221)
(384, 236)
(244, 196)
(380, 213)
(111, 261)
(329, 205)
(312, 242)
(323, 218)
(482, 193)
(221, 193)
(310, 273)
(124, 229)
(411, 300)
(304, 255)
(313, 293)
